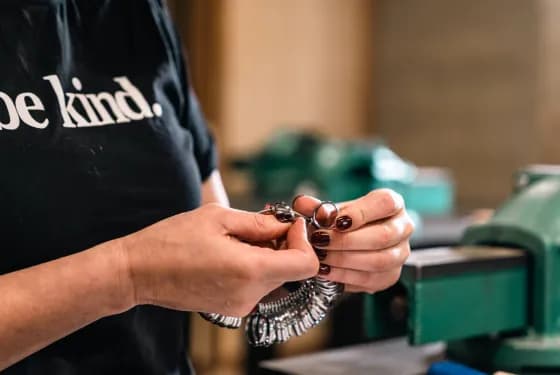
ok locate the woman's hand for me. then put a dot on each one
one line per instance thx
(202, 260)
(369, 244)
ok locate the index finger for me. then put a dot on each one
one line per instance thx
(251, 226)
(305, 204)
(376, 205)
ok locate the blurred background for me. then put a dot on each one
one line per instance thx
(469, 86)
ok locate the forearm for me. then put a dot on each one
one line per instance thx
(213, 190)
(44, 303)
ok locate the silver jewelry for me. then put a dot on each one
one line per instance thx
(293, 315)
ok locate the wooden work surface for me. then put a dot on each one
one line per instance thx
(387, 357)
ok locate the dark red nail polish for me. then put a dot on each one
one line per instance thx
(344, 222)
(324, 269)
(321, 239)
(285, 217)
(321, 254)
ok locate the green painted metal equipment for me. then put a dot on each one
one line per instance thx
(444, 284)
(496, 298)
(293, 162)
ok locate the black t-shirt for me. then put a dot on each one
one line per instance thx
(100, 136)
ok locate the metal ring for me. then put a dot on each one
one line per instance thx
(314, 220)
(279, 320)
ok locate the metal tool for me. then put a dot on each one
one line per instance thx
(495, 298)
(302, 309)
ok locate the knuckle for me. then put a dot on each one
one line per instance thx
(393, 278)
(342, 240)
(405, 252)
(312, 266)
(212, 210)
(398, 256)
(409, 226)
(212, 207)
(386, 234)
(259, 222)
(396, 277)
(365, 278)
(388, 280)
(387, 260)
(371, 285)
(398, 200)
(363, 216)
(253, 274)
(387, 199)
(248, 271)
(377, 262)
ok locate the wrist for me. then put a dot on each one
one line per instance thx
(120, 294)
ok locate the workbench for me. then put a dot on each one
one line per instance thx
(387, 357)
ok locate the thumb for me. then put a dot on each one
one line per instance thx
(298, 261)
(252, 227)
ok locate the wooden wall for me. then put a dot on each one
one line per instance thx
(292, 62)
(472, 85)
(260, 65)
(548, 81)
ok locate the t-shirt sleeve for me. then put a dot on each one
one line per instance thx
(190, 112)
(204, 146)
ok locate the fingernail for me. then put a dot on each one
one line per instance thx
(321, 254)
(344, 222)
(321, 239)
(324, 269)
(296, 198)
(285, 217)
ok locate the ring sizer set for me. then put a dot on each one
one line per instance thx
(302, 309)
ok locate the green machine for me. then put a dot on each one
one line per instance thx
(295, 162)
(495, 300)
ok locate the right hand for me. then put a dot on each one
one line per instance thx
(204, 260)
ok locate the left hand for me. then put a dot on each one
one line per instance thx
(369, 244)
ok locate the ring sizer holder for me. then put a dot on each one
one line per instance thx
(302, 309)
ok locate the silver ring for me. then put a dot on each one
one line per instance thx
(315, 222)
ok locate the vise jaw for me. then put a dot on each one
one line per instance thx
(495, 299)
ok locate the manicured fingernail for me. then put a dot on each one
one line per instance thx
(321, 254)
(321, 239)
(296, 198)
(324, 269)
(285, 217)
(344, 222)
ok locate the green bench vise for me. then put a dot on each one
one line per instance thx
(495, 300)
